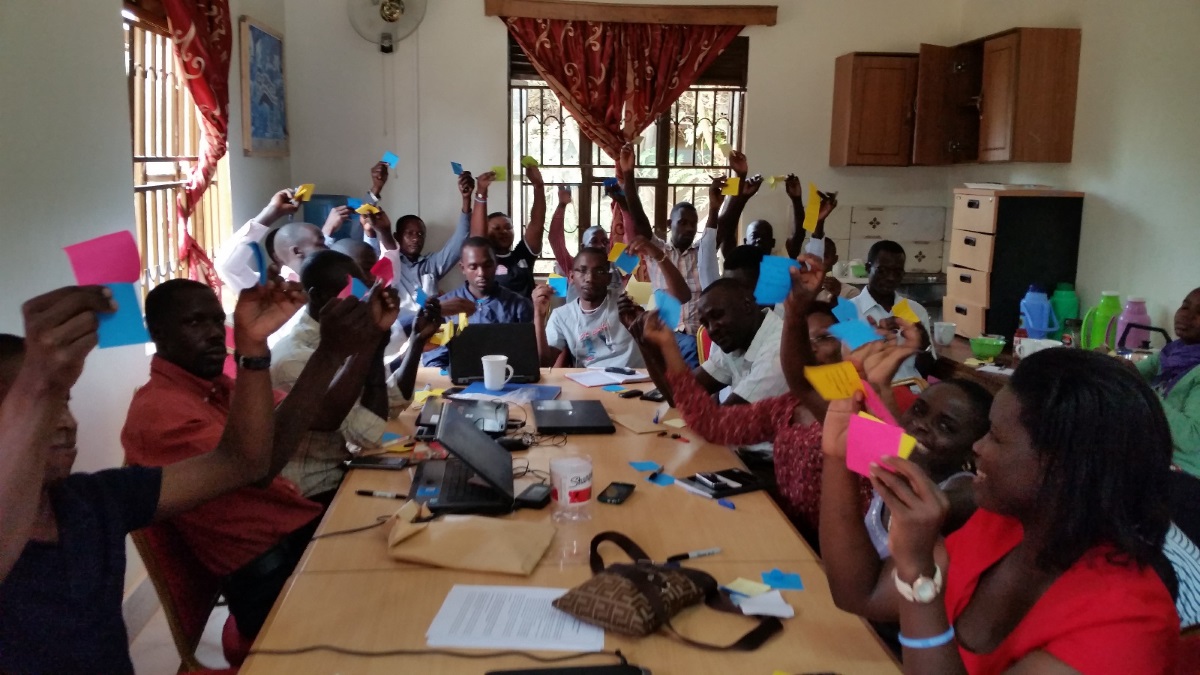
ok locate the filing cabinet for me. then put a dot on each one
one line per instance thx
(1001, 242)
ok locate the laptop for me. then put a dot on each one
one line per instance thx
(572, 417)
(490, 417)
(517, 341)
(477, 477)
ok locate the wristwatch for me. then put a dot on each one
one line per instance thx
(923, 590)
(252, 362)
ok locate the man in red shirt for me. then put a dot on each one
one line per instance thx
(252, 537)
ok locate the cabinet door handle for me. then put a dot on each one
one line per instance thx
(959, 309)
(972, 203)
(965, 278)
(969, 241)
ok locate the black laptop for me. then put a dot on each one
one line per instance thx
(517, 341)
(572, 417)
(477, 477)
(490, 417)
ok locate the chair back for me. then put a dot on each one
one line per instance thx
(703, 344)
(1189, 652)
(188, 592)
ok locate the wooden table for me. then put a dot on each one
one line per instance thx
(348, 592)
(950, 364)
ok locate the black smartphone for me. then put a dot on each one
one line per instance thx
(630, 393)
(654, 395)
(391, 462)
(535, 496)
(616, 493)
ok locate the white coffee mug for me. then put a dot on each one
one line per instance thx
(496, 372)
(943, 332)
(1031, 346)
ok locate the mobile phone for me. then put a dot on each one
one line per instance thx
(707, 479)
(389, 461)
(616, 493)
(630, 393)
(535, 496)
(654, 395)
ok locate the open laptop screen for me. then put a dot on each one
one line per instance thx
(479, 451)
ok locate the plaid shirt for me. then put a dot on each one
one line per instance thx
(697, 270)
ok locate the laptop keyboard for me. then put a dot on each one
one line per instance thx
(456, 485)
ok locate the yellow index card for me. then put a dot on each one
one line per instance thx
(905, 311)
(834, 381)
(812, 209)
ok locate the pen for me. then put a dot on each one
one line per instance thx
(377, 493)
(694, 554)
(727, 504)
(695, 491)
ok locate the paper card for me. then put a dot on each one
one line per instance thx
(559, 284)
(422, 297)
(726, 149)
(462, 320)
(501, 172)
(347, 289)
(637, 140)
(876, 404)
(358, 289)
(260, 262)
(784, 581)
(774, 279)
(767, 604)
(905, 311)
(845, 310)
(110, 259)
(732, 186)
(124, 326)
(835, 381)
(613, 387)
(528, 162)
(645, 466)
(389, 437)
(383, 271)
(775, 181)
(812, 209)
(675, 423)
(353, 203)
(668, 308)
(640, 291)
(419, 397)
(869, 440)
(391, 159)
(304, 192)
(663, 479)
(854, 333)
(638, 424)
(444, 335)
(746, 587)
(615, 252)
(367, 209)
(626, 262)
(456, 168)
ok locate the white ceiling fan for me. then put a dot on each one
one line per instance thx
(385, 22)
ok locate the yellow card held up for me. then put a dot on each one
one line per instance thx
(904, 311)
(462, 320)
(639, 290)
(501, 172)
(834, 381)
(615, 251)
(812, 209)
(774, 181)
(726, 149)
(367, 209)
(907, 444)
(305, 192)
(746, 587)
(732, 187)
(528, 162)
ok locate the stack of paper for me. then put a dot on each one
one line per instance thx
(510, 617)
(598, 377)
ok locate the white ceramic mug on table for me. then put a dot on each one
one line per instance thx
(496, 372)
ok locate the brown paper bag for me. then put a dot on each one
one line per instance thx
(470, 543)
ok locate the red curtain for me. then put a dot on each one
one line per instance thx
(203, 36)
(616, 78)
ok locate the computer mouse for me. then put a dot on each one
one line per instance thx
(513, 444)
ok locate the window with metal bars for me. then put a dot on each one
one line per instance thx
(166, 140)
(677, 158)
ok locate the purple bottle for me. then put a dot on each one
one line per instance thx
(1135, 312)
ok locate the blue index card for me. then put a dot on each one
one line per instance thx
(613, 387)
(644, 466)
(260, 262)
(663, 479)
(784, 581)
(845, 310)
(559, 284)
(774, 280)
(422, 298)
(353, 203)
(390, 158)
(124, 326)
(854, 333)
(626, 262)
(358, 289)
(668, 308)
(389, 436)
(456, 168)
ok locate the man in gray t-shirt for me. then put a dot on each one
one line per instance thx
(588, 328)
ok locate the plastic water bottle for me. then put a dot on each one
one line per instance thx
(1066, 306)
(1038, 314)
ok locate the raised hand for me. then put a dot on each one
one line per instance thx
(655, 332)
(429, 320)
(262, 310)
(627, 159)
(750, 186)
(281, 205)
(347, 327)
(385, 306)
(564, 195)
(466, 184)
(739, 163)
(338, 216)
(60, 330)
(918, 509)
(453, 306)
(803, 292)
(644, 248)
(793, 186)
(541, 299)
(836, 424)
(379, 176)
(716, 195)
(535, 175)
(828, 204)
(484, 181)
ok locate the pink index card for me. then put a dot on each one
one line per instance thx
(110, 259)
(348, 289)
(868, 441)
(383, 271)
(875, 405)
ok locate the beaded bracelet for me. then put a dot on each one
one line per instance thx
(929, 642)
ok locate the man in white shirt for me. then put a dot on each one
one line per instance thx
(235, 261)
(885, 265)
(745, 353)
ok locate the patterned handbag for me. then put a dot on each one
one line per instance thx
(638, 599)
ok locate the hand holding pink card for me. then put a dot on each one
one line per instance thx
(110, 259)
(869, 440)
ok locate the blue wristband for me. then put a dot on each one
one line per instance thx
(929, 642)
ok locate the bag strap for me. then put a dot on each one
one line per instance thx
(631, 549)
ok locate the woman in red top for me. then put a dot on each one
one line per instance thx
(1052, 574)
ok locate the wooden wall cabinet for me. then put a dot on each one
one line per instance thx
(1008, 97)
(872, 109)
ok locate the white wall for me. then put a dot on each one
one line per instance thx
(1135, 141)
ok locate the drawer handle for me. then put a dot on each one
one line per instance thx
(972, 203)
(959, 309)
(969, 241)
(965, 278)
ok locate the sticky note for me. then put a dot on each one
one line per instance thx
(854, 333)
(732, 187)
(559, 284)
(358, 289)
(383, 271)
(353, 203)
(637, 140)
(663, 479)
(444, 335)
(784, 581)
(456, 168)
(613, 387)
(124, 326)
(389, 437)
(746, 587)
(390, 158)
(904, 311)
(110, 259)
(367, 209)
(835, 381)
(845, 310)
(615, 252)
(645, 466)
(876, 405)
(726, 149)
(462, 320)
(812, 209)
(774, 181)
(304, 192)
(626, 262)
(676, 423)
(640, 291)
(422, 297)
(668, 308)
(419, 397)
(868, 440)
(501, 172)
(528, 162)
(260, 262)
(774, 279)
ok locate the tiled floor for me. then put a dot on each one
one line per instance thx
(153, 650)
